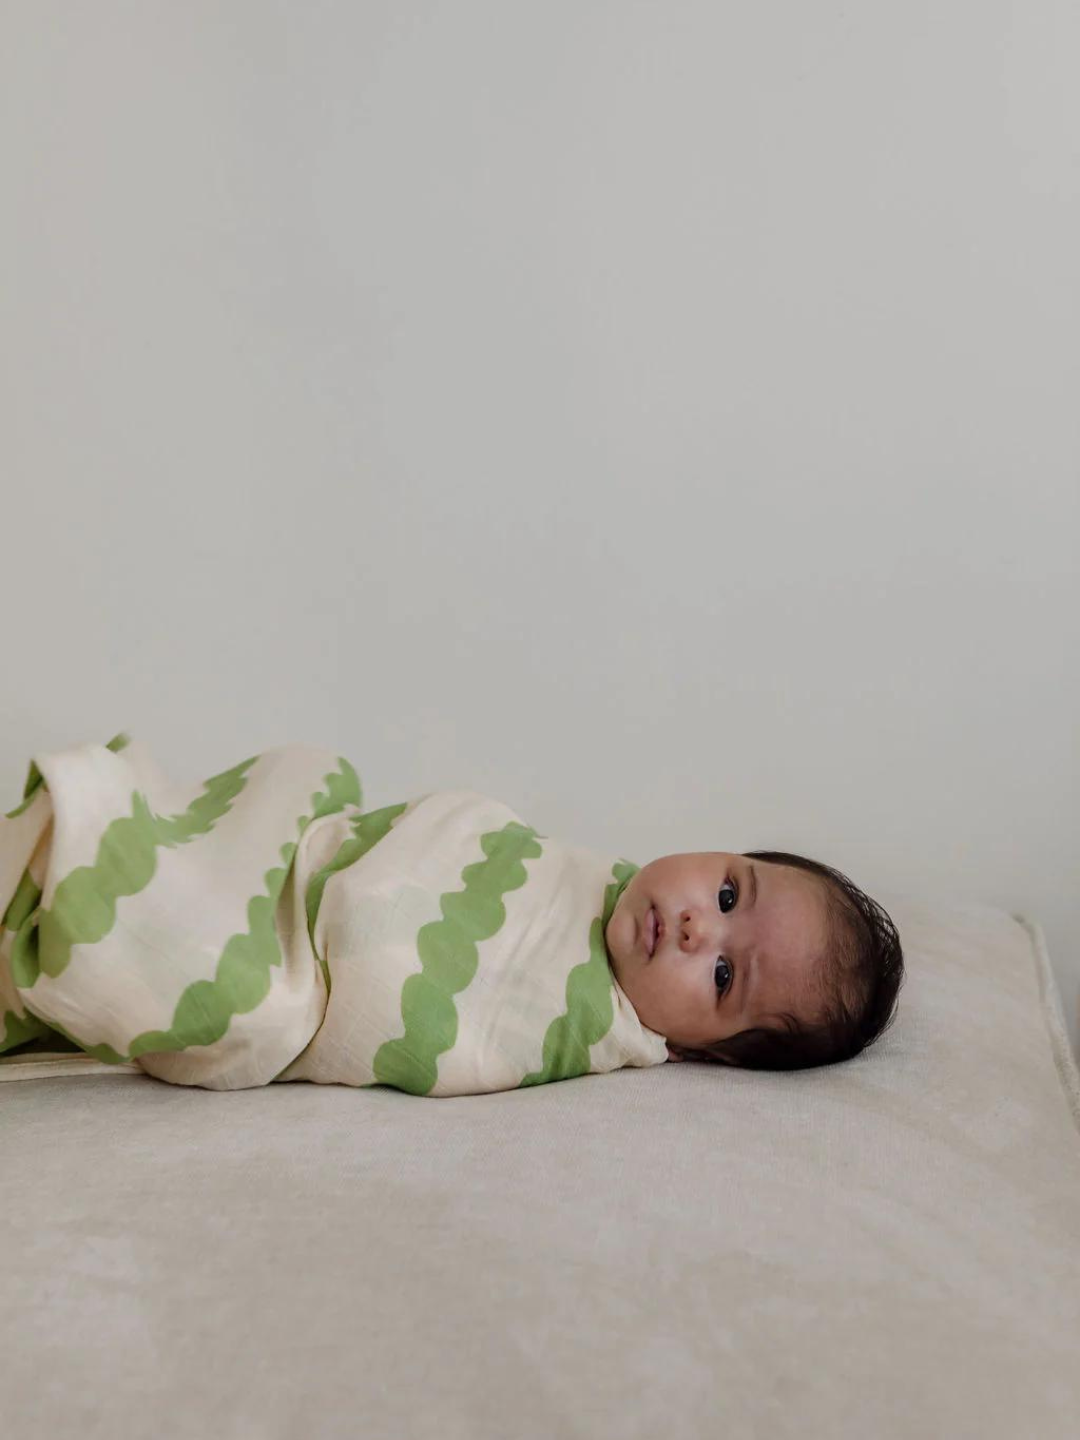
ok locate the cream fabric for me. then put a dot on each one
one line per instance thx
(261, 926)
(886, 1249)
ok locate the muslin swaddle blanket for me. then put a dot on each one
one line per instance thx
(262, 927)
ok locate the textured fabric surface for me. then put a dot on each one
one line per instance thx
(259, 926)
(884, 1248)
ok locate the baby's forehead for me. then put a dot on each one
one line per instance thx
(700, 857)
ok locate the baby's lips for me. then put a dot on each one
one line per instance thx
(651, 932)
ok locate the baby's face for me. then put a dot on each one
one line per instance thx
(736, 942)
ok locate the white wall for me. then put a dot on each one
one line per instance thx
(663, 417)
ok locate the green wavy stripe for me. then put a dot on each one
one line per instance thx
(242, 980)
(83, 908)
(35, 779)
(449, 958)
(17, 1029)
(590, 1009)
(22, 903)
(369, 829)
(99, 1052)
(205, 1008)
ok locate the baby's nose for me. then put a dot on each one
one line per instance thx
(689, 928)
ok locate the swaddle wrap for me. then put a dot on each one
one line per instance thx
(262, 927)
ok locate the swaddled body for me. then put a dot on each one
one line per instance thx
(262, 927)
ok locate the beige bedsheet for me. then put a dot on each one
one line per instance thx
(885, 1248)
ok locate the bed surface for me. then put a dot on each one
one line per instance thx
(888, 1247)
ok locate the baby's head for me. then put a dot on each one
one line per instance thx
(765, 960)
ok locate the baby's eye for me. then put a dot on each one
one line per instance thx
(724, 986)
(728, 885)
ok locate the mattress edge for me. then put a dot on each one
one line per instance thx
(1051, 1005)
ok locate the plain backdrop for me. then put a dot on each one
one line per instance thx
(663, 417)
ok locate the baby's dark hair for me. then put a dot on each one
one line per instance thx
(860, 987)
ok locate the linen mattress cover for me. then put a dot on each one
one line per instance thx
(889, 1247)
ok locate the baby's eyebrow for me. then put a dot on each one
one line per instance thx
(753, 884)
(749, 966)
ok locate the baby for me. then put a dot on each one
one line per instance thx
(263, 926)
(779, 964)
